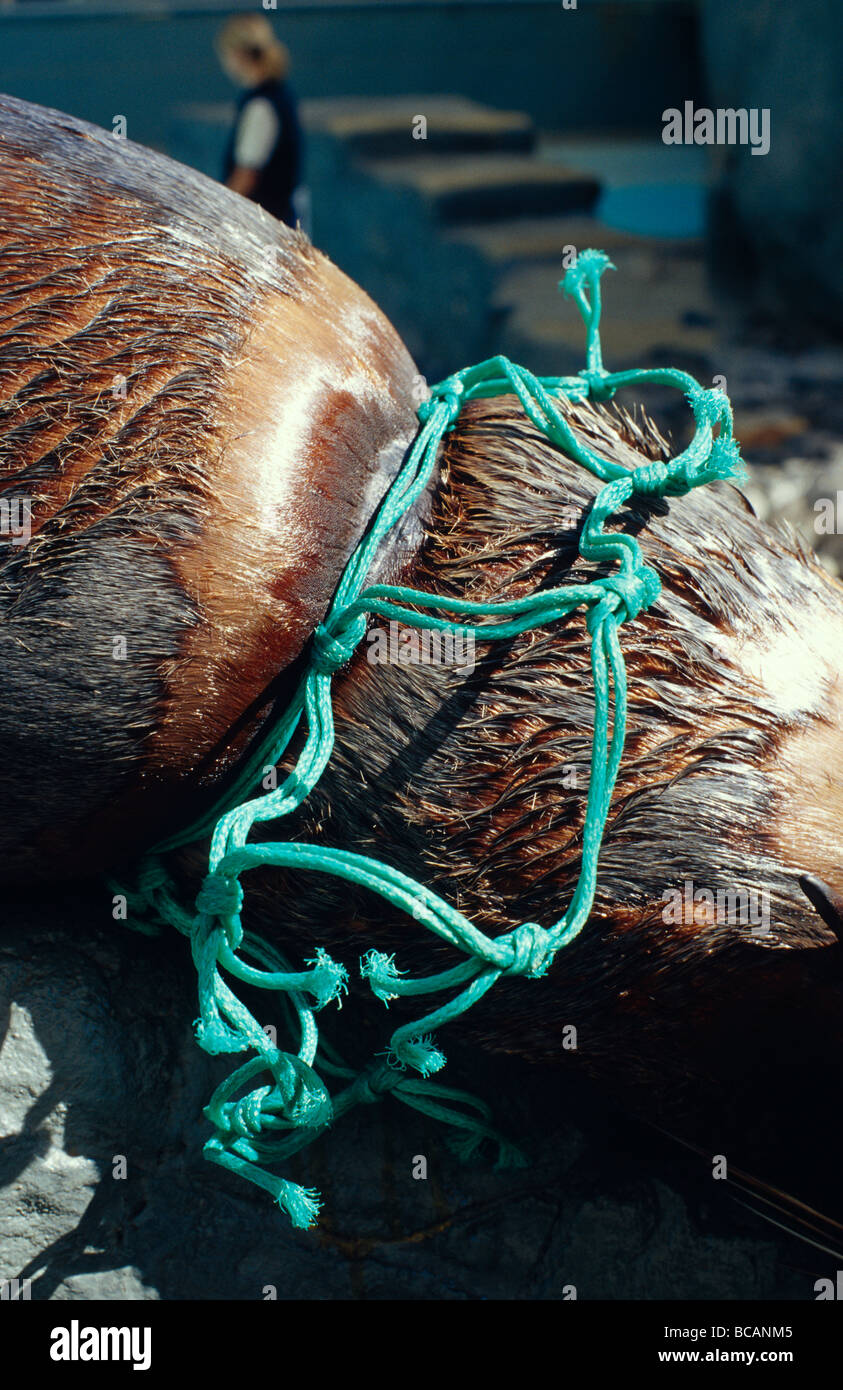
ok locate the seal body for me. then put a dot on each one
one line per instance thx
(704, 992)
(199, 413)
(203, 414)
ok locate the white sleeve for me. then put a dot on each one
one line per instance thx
(257, 131)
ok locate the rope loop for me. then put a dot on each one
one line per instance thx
(264, 1124)
(451, 391)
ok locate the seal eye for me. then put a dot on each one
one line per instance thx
(822, 899)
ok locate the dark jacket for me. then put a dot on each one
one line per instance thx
(282, 172)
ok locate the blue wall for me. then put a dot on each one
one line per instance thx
(786, 206)
(604, 65)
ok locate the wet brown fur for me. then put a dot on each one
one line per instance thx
(203, 413)
(459, 780)
(208, 516)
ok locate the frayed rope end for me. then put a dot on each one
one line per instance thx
(381, 972)
(328, 981)
(302, 1204)
(421, 1054)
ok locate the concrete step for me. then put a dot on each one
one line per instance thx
(511, 241)
(366, 127)
(459, 188)
(383, 127)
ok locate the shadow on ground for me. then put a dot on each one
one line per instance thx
(97, 1062)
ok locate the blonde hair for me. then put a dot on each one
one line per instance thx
(250, 38)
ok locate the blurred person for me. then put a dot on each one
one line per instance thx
(264, 156)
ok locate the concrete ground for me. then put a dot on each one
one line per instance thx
(104, 1193)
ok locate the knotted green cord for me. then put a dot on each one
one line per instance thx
(272, 1121)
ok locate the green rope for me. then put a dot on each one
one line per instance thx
(273, 1120)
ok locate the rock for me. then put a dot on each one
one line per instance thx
(97, 1063)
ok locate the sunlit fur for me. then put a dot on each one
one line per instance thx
(207, 517)
(460, 779)
(202, 412)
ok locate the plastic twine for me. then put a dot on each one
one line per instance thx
(292, 1105)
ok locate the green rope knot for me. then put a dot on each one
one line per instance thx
(331, 650)
(650, 479)
(599, 383)
(628, 594)
(450, 391)
(532, 950)
(245, 1116)
(373, 1083)
(152, 877)
(297, 1098)
(147, 901)
(711, 407)
(220, 897)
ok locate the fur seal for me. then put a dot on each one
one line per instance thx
(202, 414)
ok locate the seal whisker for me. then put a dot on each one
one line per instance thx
(825, 902)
